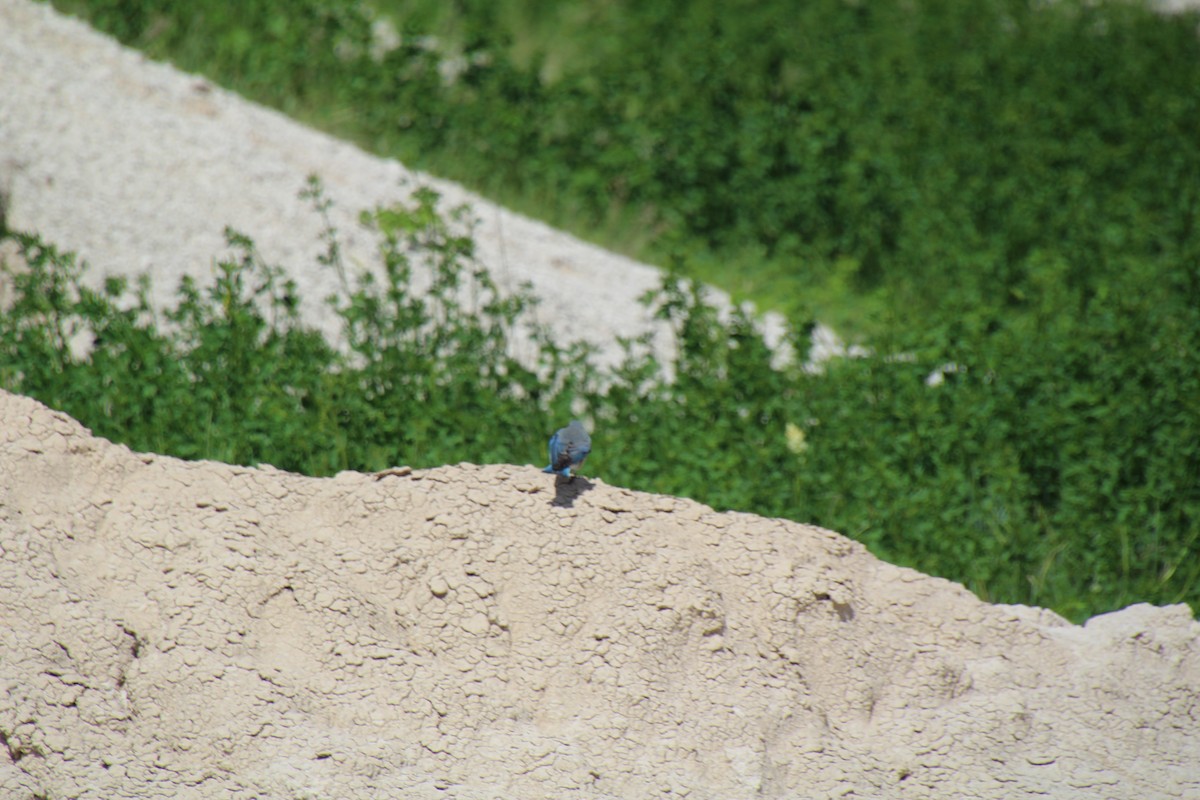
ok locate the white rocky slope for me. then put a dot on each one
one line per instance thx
(139, 167)
(194, 630)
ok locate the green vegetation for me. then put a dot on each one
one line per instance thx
(852, 161)
(1056, 464)
(1010, 187)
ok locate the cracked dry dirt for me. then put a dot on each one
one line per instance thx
(177, 629)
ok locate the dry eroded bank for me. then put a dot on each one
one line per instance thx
(197, 629)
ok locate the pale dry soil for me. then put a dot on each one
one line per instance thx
(189, 630)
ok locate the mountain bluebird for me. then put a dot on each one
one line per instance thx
(569, 446)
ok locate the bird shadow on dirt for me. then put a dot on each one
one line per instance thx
(567, 490)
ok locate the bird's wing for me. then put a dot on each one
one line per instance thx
(577, 450)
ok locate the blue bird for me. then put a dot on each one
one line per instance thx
(569, 446)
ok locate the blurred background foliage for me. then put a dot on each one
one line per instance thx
(1002, 195)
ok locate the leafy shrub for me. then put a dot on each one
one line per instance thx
(230, 373)
(1056, 463)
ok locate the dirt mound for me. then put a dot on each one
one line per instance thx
(201, 630)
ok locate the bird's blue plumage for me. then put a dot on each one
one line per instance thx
(569, 446)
